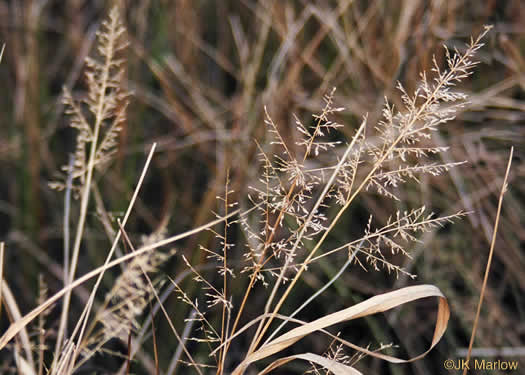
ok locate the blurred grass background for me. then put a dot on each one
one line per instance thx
(202, 72)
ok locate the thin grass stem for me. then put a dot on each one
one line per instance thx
(489, 261)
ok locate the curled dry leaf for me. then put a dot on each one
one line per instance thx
(376, 304)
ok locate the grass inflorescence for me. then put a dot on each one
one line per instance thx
(231, 293)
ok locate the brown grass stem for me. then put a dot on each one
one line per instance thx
(489, 261)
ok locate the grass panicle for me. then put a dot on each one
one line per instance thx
(230, 300)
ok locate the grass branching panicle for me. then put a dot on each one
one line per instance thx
(260, 244)
(97, 119)
(287, 231)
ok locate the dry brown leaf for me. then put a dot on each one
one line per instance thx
(376, 304)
